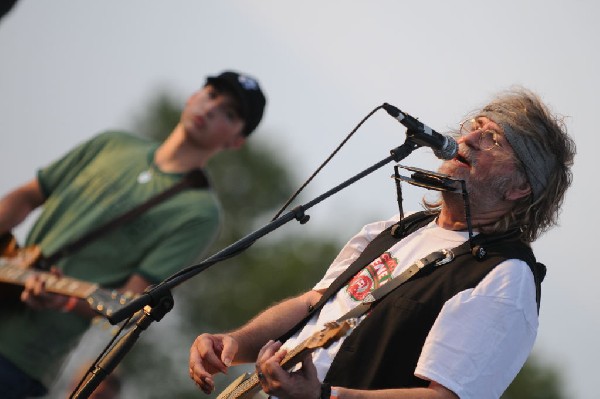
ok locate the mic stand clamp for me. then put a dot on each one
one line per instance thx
(399, 153)
(117, 352)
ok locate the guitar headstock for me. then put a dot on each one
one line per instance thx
(106, 302)
(333, 331)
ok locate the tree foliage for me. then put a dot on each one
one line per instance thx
(251, 183)
(536, 381)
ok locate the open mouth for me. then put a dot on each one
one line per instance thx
(462, 159)
(199, 120)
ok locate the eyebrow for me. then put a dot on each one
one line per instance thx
(479, 120)
(235, 106)
(232, 101)
(479, 123)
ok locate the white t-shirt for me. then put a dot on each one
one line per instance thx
(482, 336)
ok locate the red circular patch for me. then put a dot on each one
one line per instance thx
(360, 286)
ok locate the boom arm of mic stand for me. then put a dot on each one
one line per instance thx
(298, 213)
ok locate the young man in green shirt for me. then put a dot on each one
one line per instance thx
(91, 185)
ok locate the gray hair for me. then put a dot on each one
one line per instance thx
(545, 151)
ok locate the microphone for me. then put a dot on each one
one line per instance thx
(444, 146)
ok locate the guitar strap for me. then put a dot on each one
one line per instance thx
(427, 263)
(385, 240)
(195, 178)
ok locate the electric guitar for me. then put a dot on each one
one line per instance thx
(16, 265)
(247, 386)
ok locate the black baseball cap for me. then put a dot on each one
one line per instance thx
(248, 92)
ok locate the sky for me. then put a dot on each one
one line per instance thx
(69, 70)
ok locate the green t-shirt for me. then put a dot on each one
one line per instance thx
(94, 183)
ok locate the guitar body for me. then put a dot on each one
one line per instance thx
(20, 260)
(16, 264)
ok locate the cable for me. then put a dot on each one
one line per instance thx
(293, 197)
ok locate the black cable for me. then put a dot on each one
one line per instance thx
(293, 197)
(216, 259)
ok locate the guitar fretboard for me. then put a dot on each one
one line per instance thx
(245, 386)
(332, 332)
(16, 275)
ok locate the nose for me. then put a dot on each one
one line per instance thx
(471, 139)
(210, 108)
(216, 107)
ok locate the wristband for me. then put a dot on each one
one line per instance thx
(335, 394)
(70, 304)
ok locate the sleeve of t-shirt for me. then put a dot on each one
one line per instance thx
(483, 336)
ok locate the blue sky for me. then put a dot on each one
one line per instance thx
(72, 69)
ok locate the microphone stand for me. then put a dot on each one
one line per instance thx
(157, 301)
(117, 352)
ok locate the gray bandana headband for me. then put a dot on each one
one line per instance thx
(538, 162)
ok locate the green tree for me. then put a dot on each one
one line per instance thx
(536, 381)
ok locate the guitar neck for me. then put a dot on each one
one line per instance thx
(293, 356)
(16, 265)
(15, 275)
(248, 387)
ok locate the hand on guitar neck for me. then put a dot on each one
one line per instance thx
(273, 364)
(34, 292)
(36, 296)
(52, 290)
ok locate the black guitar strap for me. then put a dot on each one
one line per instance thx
(385, 240)
(390, 236)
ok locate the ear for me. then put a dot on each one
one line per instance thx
(516, 193)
